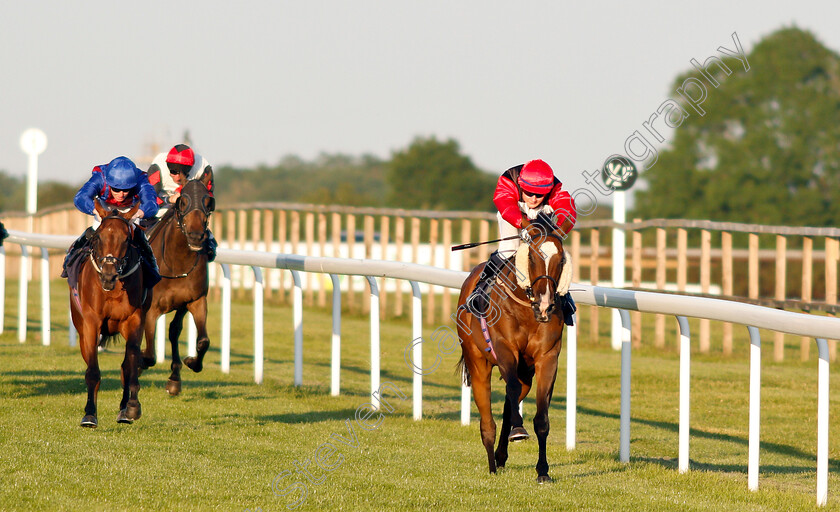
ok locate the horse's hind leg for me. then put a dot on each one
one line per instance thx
(546, 374)
(173, 385)
(504, 434)
(198, 308)
(508, 364)
(150, 328)
(481, 395)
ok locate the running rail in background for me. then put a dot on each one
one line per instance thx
(752, 316)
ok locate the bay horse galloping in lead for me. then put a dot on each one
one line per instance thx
(178, 243)
(521, 334)
(111, 301)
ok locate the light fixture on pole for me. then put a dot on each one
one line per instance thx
(33, 142)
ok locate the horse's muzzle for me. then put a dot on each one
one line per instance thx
(195, 240)
(109, 281)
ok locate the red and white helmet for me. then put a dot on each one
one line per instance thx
(181, 154)
(536, 177)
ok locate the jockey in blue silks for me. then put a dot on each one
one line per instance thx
(118, 184)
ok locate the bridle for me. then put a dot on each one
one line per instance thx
(183, 206)
(118, 263)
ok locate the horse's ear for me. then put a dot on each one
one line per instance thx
(526, 222)
(130, 213)
(207, 179)
(99, 209)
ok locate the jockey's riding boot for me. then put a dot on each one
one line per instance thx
(478, 299)
(567, 305)
(210, 245)
(148, 257)
(75, 247)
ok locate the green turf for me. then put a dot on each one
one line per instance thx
(224, 441)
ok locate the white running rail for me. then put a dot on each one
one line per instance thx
(753, 317)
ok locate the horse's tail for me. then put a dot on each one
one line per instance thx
(107, 340)
(465, 372)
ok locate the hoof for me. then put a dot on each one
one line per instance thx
(133, 412)
(193, 364)
(173, 387)
(89, 421)
(544, 479)
(518, 434)
(122, 417)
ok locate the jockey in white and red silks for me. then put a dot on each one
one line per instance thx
(533, 190)
(169, 173)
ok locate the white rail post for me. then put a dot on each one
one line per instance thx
(335, 363)
(258, 326)
(755, 407)
(160, 338)
(192, 334)
(45, 297)
(417, 349)
(624, 433)
(71, 338)
(466, 403)
(3, 289)
(685, 393)
(571, 384)
(822, 424)
(22, 293)
(374, 341)
(297, 315)
(618, 261)
(226, 293)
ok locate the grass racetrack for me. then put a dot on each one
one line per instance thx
(228, 444)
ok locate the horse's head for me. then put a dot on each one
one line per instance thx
(194, 207)
(109, 246)
(541, 264)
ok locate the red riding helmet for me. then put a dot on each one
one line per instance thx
(181, 154)
(536, 177)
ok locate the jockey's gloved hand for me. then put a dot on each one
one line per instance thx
(138, 214)
(525, 236)
(549, 219)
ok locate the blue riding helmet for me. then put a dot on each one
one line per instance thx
(121, 173)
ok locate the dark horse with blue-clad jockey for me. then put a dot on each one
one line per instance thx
(110, 299)
(518, 328)
(183, 247)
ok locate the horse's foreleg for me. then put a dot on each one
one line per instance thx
(132, 331)
(546, 373)
(198, 308)
(90, 353)
(173, 385)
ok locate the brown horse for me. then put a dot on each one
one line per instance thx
(521, 335)
(178, 243)
(111, 301)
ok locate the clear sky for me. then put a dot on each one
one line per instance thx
(568, 82)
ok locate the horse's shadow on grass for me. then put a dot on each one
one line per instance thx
(309, 416)
(32, 383)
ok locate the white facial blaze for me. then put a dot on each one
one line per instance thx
(523, 277)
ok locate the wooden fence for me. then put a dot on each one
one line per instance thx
(793, 268)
